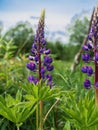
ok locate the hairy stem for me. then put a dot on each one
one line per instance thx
(50, 110)
(37, 117)
(96, 73)
(41, 103)
(18, 128)
(41, 115)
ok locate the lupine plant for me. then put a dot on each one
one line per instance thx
(40, 61)
(91, 54)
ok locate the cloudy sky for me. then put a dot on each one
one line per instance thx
(58, 12)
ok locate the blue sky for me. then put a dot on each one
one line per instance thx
(57, 6)
(58, 12)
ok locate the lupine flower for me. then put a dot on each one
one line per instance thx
(31, 78)
(90, 36)
(89, 71)
(47, 52)
(91, 50)
(96, 84)
(31, 66)
(85, 48)
(84, 69)
(96, 56)
(90, 45)
(38, 63)
(87, 84)
(50, 67)
(49, 77)
(86, 57)
(47, 60)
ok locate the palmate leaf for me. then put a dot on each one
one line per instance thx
(67, 126)
(7, 112)
(7, 49)
(14, 109)
(41, 91)
(93, 119)
(25, 109)
(45, 93)
(83, 111)
(19, 96)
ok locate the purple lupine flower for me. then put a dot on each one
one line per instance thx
(49, 77)
(96, 84)
(41, 62)
(31, 78)
(36, 81)
(36, 58)
(31, 66)
(50, 67)
(85, 48)
(30, 57)
(47, 60)
(33, 51)
(96, 56)
(43, 70)
(84, 69)
(97, 46)
(90, 36)
(34, 46)
(87, 84)
(86, 57)
(47, 52)
(89, 71)
(43, 42)
(90, 45)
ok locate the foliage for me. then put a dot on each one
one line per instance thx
(22, 36)
(66, 107)
(81, 111)
(7, 49)
(15, 110)
(61, 51)
(78, 30)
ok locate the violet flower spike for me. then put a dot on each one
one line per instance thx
(38, 63)
(91, 53)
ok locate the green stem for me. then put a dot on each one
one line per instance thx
(37, 117)
(18, 128)
(41, 115)
(50, 110)
(96, 127)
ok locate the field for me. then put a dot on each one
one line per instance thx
(38, 90)
(70, 105)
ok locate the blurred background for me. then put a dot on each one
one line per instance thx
(66, 24)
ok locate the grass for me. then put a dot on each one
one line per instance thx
(14, 71)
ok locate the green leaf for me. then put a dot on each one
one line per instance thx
(19, 96)
(67, 126)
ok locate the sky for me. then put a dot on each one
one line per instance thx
(58, 12)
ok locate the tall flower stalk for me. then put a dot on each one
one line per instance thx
(40, 62)
(91, 54)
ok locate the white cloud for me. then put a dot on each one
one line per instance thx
(53, 23)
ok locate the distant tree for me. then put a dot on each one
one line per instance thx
(78, 30)
(22, 36)
(79, 34)
(1, 27)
